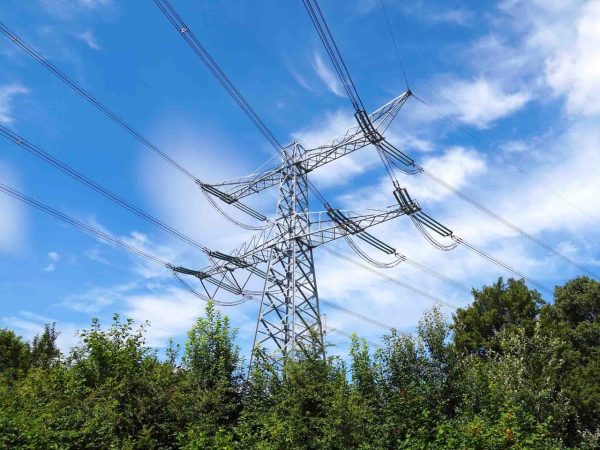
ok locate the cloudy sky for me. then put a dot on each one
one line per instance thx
(514, 94)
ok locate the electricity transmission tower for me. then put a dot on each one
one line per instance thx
(276, 265)
(281, 253)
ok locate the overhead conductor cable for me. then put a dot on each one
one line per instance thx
(121, 122)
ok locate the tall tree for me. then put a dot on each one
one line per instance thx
(572, 323)
(44, 349)
(14, 354)
(503, 305)
(213, 376)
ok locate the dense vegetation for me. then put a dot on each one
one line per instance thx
(508, 371)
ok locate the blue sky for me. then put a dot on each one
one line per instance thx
(522, 78)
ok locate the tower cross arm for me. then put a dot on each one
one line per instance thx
(325, 226)
(227, 270)
(312, 158)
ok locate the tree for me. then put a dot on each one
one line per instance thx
(44, 350)
(123, 393)
(210, 352)
(213, 378)
(572, 323)
(501, 306)
(363, 372)
(415, 373)
(363, 408)
(14, 354)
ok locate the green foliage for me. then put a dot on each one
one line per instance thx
(211, 381)
(44, 350)
(14, 355)
(501, 306)
(573, 324)
(509, 372)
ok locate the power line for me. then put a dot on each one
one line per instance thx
(504, 221)
(322, 28)
(334, 56)
(351, 335)
(508, 161)
(142, 253)
(67, 80)
(502, 264)
(121, 122)
(82, 226)
(78, 176)
(389, 277)
(187, 34)
(306, 311)
(398, 57)
(356, 315)
(438, 275)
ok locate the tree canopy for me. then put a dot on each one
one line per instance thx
(509, 370)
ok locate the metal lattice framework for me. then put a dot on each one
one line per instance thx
(281, 254)
(276, 265)
(289, 313)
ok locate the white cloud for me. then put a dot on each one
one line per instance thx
(7, 94)
(326, 129)
(457, 166)
(89, 39)
(95, 254)
(544, 48)
(481, 102)
(53, 258)
(574, 70)
(170, 313)
(323, 132)
(28, 325)
(70, 8)
(94, 4)
(96, 299)
(180, 201)
(13, 213)
(327, 75)
(457, 16)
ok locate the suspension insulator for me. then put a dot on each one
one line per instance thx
(407, 204)
(366, 126)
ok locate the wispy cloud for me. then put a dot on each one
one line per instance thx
(8, 92)
(53, 258)
(574, 70)
(89, 39)
(459, 16)
(96, 299)
(543, 48)
(480, 102)
(13, 223)
(94, 4)
(327, 75)
(67, 9)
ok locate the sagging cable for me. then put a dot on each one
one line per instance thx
(501, 264)
(399, 159)
(208, 298)
(423, 221)
(352, 228)
(371, 260)
(429, 238)
(210, 191)
(238, 262)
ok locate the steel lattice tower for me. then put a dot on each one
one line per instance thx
(289, 318)
(279, 257)
(280, 254)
